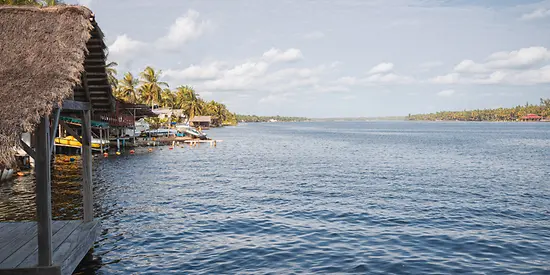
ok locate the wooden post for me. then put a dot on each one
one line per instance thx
(53, 130)
(43, 192)
(101, 139)
(87, 187)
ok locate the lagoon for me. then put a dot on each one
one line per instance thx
(321, 197)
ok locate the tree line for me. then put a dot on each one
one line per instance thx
(499, 114)
(254, 118)
(147, 88)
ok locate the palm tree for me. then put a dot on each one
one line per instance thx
(127, 87)
(168, 98)
(151, 87)
(111, 74)
(188, 100)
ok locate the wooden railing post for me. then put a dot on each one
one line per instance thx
(43, 192)
(87, 186)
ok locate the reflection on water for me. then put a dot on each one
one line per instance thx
(17, 197)
(370, 198)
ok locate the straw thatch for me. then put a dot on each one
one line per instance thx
(42, 52)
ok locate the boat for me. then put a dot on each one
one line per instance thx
(71, 141)
(191, 131)
(159, 133)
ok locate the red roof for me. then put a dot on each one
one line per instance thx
(532, 116)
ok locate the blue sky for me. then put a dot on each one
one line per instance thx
(321, 58)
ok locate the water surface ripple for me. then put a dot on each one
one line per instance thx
(362, 197)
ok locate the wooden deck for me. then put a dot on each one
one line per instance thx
(71, 240)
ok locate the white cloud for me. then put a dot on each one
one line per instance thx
(314, 35)
(390, 78)
(124, 48)
(525, 66)
(520, 59)
(451, 78)
(252, 69)
(536, 14)
(346, 80)
(381, 68)
(185, 29)
(197, 72)
(330, 89)
(277, 98)
(276, 55)
(521, 67)
(446, 93)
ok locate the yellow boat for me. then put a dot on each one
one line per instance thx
(73, 142)
(68, 141)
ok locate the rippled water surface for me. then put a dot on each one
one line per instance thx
(361, 197)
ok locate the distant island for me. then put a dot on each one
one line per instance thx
(528, 112)
(254, 118)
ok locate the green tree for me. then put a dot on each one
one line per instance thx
(128, 88)
(188, 100)
(167, 98)
(112, 74)
(151, 87)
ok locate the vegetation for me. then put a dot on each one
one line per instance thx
(254, 118)
(500, 114)
(149, 89)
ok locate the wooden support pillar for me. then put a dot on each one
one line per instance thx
(87, 187)
(101, 139)
(43, 192)
(57, 112)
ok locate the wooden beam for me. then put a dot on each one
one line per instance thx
(76, 105)
(28, 149)
(85, 86)
(87, 186)
(53, 129)
(43, 192)
(70, 130)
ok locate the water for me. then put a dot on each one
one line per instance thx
(357, 197)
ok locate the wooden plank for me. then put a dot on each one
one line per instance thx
(71, 131)
(29, 247)
(28, 149)
(75, 105)
(49, 270)
(75, 248)
(18, 238)
(87, 185)
(43, 192)
(6, 225)
(58, 238)
(99, 87)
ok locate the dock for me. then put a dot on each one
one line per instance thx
(71, 240)
(77, 89)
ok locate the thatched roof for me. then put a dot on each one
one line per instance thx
(201, 119)
(42, 56)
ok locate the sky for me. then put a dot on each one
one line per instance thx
(345, 58)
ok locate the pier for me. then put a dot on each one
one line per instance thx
(50, 86)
